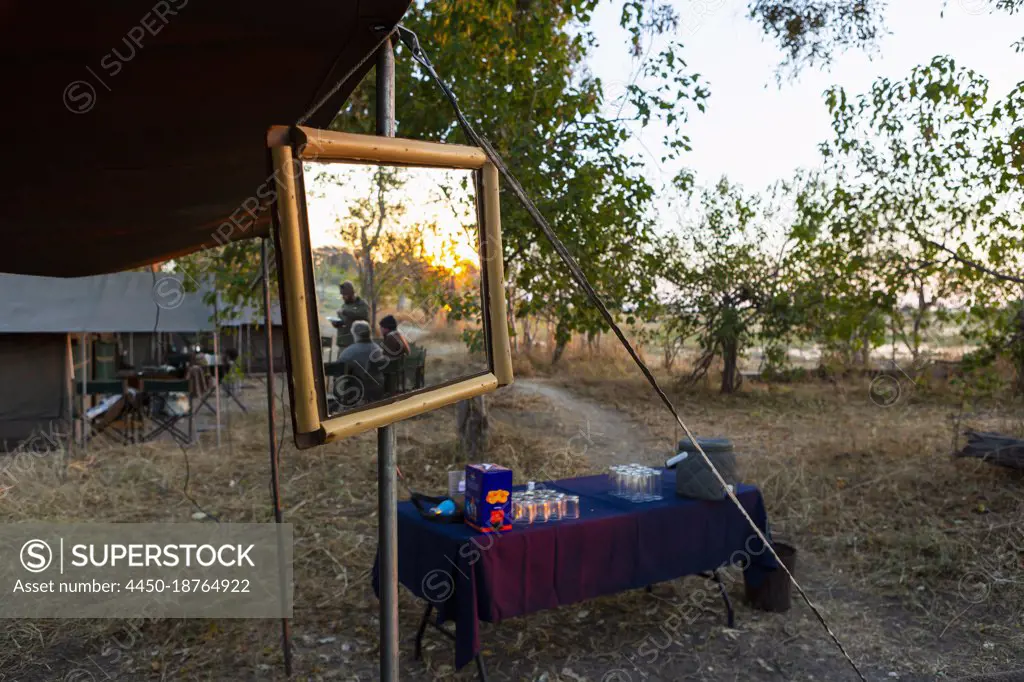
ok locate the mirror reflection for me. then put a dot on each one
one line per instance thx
(397, 279)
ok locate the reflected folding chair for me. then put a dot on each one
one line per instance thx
(351, 385)
(415, 367)
(394, 376)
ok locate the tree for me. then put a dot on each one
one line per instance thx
(526, 87)
(924, 178)
(368, 228)
(725, 279)
(812, 32)
(519, 68)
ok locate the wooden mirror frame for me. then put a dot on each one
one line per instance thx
(289, 147)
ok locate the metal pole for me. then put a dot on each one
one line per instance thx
(387, 483)
(286, 634)
(216, 369)
(85, 389)
(69, 387)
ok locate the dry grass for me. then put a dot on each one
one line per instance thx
(330, 497)
(870, 492)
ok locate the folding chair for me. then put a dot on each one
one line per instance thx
(352, 385)
(204, 387)
(225, 386)
(119, 406)
(394, 376)
(415, 367)
(159, 395)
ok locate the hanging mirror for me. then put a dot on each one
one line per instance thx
(391, 279)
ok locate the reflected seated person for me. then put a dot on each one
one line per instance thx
(367, 355)
(394, 342)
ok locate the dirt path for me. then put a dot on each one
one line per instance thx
(606, 436)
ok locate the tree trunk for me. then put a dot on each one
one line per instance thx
(559, 350)
(729, 358)
(371, 293)
(473, 425)
(562, 338)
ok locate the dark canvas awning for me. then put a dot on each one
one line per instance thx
(136, 129)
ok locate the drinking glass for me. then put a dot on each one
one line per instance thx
(656, 489)
(615, 479)
(456, 483)
(634, 483)
(518, 510)
(543, 510)
(557, 506)
(529, 511)
(572, 507)
(644, 485)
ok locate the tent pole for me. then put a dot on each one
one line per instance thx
(216, 369)
(69, 387)
(85, 387)
(387, 483)
(286, 634)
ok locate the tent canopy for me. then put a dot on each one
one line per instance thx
(121, 302)
(138, 128)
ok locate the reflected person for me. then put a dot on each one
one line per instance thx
(367, 355)
(394, 342)
(352, 310)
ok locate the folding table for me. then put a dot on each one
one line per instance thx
(614, 546)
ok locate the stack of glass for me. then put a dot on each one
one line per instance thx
(635, 482)
(543, 506)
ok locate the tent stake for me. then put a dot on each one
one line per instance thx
(387, 495)
(286, 634)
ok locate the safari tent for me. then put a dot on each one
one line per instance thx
(46, 321)
(243, 333)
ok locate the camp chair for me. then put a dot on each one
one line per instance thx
(118, 407)
(205, 393)
(166, 419)
(394, 375)
(225, 386)
(415, 367)
(352, 385)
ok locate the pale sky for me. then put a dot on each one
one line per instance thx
(756, 132)
(332, 187)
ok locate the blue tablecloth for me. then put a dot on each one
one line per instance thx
(614, 546)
